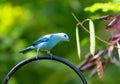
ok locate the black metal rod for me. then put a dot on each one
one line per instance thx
(35, 58)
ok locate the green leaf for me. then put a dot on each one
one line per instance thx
(78, 42)
(105, 7)
(92, 37)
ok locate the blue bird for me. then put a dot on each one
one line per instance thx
(47, 42)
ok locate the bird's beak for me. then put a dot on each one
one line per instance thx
(68, 40)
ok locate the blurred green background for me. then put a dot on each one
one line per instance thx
(24, 21)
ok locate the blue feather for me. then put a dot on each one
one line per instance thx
(42, 39)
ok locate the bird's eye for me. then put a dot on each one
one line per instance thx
(65, 35)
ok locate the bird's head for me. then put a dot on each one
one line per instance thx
(63, 37)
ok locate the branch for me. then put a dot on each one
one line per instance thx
(81, 24)
(35, 58)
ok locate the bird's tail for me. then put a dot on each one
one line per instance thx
(27, 49)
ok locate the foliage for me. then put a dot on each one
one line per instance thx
(105, 7)
(24, 21)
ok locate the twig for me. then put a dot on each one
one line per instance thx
(81, 24)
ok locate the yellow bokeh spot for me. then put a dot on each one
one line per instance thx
(105, 7)
(9, 15)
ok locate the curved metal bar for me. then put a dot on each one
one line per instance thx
(35, 58)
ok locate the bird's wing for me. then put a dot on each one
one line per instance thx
(42, 39)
